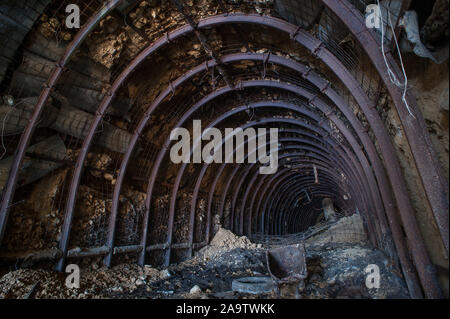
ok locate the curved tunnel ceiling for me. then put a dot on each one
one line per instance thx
(332, 141)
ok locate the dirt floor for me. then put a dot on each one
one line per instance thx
(335, 270)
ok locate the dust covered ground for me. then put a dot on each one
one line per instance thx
(335, 270)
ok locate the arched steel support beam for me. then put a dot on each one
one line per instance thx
(342, 164)
(285, 206)
(432, 176)
(407, 213)
(286, 214)
(183, 120)
(355, 194)
(10, 187)
(279, 202)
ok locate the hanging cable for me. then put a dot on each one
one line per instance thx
(391, 74)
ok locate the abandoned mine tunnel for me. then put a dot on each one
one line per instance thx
(87, 117)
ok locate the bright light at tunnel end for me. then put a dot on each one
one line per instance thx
(221, 148)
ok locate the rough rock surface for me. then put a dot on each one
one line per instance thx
(334, 271)
(347, 230)
(225, 240)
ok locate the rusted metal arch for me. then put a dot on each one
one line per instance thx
(226, 116)
(285, 212)
(292, 218)
(423, 263)
(181, 171)
(247, 191)
(103, 106)
(355, 142)
(252, 181)
(280, 175)
(185, 117)
(236, 193)
(394, 223)
(355, 163)
(425, 268)
(195, 196)
(122, 175)
(196, 189)
(264, 199)
(280, 203)
(204, 168)
(289, 214)
(362, 176)
(275, 120)
(10, 186)
(284, 192)
(217, 177)
(6, 206)
(338, 199)
(392, 165)
(313, 161)
(162, 153)
(356, 189)
(287, 139)
(428, 166)
(386, 194)
(283, 206)
(280, 199)
(262, 212)
(181, 80)
(293, 139)
(252, 201)
(265, 221)
(294, 223)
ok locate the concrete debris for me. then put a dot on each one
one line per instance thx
(224, 240)
(195, 290)
(347, 230)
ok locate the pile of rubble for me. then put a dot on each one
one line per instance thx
(335, 270)
(347, 230)
(223, 241)
(99, 283)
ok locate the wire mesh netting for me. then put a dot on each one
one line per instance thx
(27, 62)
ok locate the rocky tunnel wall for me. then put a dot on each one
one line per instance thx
(88, 114)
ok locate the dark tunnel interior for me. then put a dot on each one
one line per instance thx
(88, 115)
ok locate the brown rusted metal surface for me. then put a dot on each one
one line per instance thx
(320, 52)
(287, 265)
(234, 111)
(434, 182)
(9, 189)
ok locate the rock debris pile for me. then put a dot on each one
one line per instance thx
(335, 270)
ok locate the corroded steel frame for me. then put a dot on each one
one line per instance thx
(435, 191)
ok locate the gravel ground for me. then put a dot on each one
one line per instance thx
(334, 271)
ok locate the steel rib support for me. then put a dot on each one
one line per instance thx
(284, 205)
(428, 166)
(294, 140)
(167, 143)
(284, 214)
(405, 207)
(265, 209)
(25, 138)
(280, 200)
